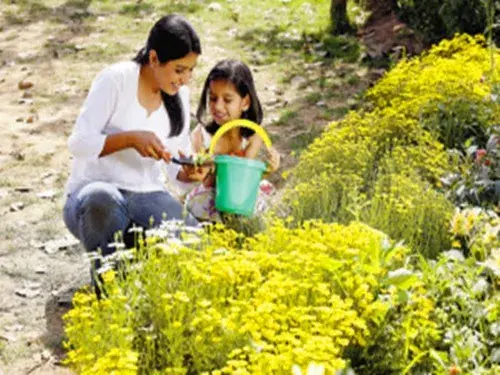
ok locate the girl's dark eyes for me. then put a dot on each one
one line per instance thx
(227, 101)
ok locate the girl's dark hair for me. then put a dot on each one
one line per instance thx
(172, 37)
(240, 76)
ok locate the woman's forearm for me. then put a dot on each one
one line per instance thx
(116, 142)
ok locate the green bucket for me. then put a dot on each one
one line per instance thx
(238, 182)
(237, 179)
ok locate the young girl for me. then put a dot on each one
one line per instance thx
(231, 95)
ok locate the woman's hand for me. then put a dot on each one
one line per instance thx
(148, 145)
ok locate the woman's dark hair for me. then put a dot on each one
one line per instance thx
(240, 76)
(172, 37)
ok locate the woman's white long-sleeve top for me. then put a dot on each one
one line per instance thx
(112, 107)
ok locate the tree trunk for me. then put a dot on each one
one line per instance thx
(338, 17)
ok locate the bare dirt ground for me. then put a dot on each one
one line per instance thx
(40, 96)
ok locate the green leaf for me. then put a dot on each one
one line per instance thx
(401, 278)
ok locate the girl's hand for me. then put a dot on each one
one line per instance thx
(209, 180)
(148, 145)
(195, 173)
(273, 159)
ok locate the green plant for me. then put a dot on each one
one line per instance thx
(477, 181)
(436, 20)
(476, 232)
(407, 208)
(444, 320)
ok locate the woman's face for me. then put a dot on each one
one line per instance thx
(225, 102)
(173, 74)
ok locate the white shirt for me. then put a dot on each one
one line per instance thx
(112, 107)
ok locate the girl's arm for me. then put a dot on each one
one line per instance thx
(273, 157)
(273, 160)
(253, 147)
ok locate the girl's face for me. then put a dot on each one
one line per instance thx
(225, 103)
(173, 74)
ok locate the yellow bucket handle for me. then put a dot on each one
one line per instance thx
(235, 124)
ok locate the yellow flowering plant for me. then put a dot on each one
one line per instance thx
(260, 305)
(375, 163)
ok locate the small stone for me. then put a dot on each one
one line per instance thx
(7, 337)
(26, 101)
(24, 85)
(48, 194)
(30, 119)
(53, 246)
(46, 355)
(16, 206)
(37, 244)
(24, 56)
(19, 119)
(3, 193)
(352, 102)
(27, 293)
(14, 328)
(40, 271)
(22, 189)
(214, 7)
(321, 103)
(17, 155)
(298, 81)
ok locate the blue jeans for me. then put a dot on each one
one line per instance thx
(97, 211)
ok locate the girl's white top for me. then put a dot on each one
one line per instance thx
(112, 107)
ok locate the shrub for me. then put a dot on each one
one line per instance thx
(406, 207)
(252, 305)
(414, 118)
(438, 19)
(447, 321)
(448, 90)
(345, 175)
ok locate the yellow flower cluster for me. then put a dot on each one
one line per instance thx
(457, 68)
(284, 298)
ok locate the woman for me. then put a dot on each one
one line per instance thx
(135, 117)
